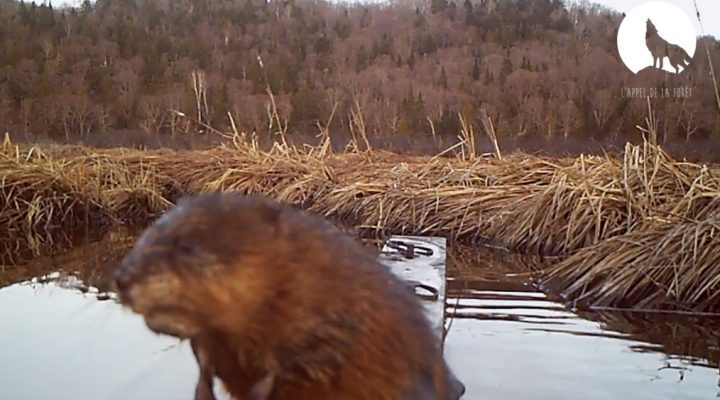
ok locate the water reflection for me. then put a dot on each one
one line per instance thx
(69, 339)
(61, 343)
(508, 341)
(84, 256)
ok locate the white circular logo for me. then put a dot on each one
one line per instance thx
(657, 35)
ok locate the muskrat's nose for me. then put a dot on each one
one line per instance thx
(122, 279)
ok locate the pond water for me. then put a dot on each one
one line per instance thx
(509, 341)
(64, 336)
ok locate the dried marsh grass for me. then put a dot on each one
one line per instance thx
(672, 265)
(639, 229)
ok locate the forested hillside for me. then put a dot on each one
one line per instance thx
(539, 69)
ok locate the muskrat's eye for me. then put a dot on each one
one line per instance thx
(183, 246)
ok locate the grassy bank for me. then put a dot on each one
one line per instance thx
(638, 229)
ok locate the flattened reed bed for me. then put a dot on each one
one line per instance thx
(610, 218)
(672, 265)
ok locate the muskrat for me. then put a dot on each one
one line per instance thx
(278, 304)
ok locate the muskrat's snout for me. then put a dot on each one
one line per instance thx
(122, 280)
(125, 277)
(123, 283)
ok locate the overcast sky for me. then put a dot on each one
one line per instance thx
(709, 11)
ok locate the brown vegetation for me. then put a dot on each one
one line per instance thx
(640, 229)
(540, 69)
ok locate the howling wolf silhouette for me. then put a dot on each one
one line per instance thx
(661, 48)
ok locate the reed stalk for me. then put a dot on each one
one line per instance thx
(637, 230)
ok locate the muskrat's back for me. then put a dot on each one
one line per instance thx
(278, 304)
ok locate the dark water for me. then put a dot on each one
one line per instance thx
(509, 341)
(63, 336)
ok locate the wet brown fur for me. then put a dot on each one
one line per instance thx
(280, 305)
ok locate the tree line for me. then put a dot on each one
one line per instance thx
(538, 68)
